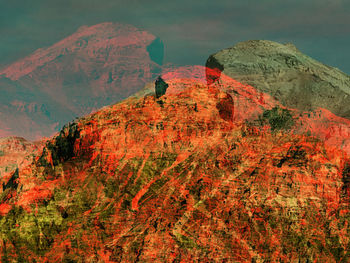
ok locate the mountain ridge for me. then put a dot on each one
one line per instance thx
(178, 178)
(214, 170)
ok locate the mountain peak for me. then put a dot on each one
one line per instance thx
(94, 67)
(87, 39)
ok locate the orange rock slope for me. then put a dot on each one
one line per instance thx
(183, 178)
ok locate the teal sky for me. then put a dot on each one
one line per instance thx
(190, 29)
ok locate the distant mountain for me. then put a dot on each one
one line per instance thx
(285, 73)
(94, 67)
(16, 153)
(205, 173)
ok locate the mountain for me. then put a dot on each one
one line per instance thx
(281, 70)
(94, 67)
(191, 177)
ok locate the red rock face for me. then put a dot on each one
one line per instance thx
(94, 67)
(184, 178)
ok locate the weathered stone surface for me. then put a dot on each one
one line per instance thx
(293, 78)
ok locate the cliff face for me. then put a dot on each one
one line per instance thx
(94, 67)
(285, 73)
(181, 179)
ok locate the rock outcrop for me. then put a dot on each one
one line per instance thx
(160, 87)
(285, 73)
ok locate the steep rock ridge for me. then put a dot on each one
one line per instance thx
(94, 67)
(177, 179)
(285, 73)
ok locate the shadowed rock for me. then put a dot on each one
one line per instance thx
(12, 183)
(156, 51)
(161, 87)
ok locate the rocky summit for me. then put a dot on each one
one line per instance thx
(181, 178)
(281, 70)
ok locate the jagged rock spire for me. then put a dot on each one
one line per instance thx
(160, 87)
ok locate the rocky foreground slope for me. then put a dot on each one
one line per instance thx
(293, 78)
(180, 179)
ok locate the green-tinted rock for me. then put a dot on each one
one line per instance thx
(293, 78)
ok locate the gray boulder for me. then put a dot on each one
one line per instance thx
(281, 70)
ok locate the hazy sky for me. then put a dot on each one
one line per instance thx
(190, 29)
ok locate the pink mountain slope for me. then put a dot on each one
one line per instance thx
(94, 67)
